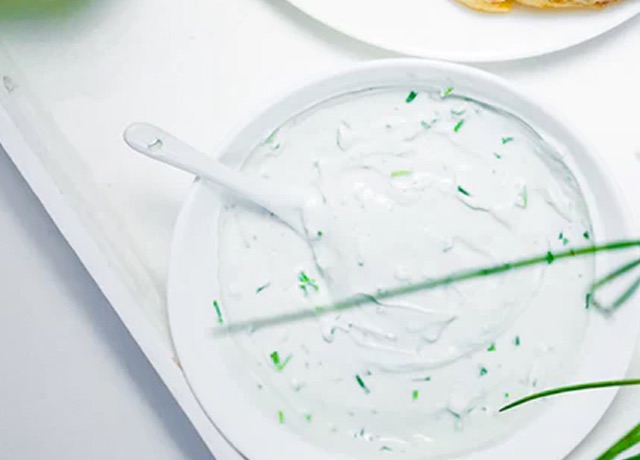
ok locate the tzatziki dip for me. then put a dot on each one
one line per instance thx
(414, 184)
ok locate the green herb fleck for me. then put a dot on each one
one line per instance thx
(412, 95)
(588, 301)
(319, 234)
(401, 173)
(507, 396)
(281, 417)
(447, 91)
(216, 305)
(492, 347)
(498, 156)
(422, 379)
(586, 235)
(483, 371)
(386, 449)
(463, 191)
(308, 417)
(524, 196)
(362, 384)
(563, 238)
(516, 341)
(458, 125)
(550, 257)
(262, 288)
(272, 136)
(506, 140)
(428, 125)
(277, 363)
(415, 395)
(306, 283)
(458, 113)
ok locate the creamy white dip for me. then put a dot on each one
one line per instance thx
(413, 185)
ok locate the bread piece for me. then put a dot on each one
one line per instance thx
(504, 6)
(489, 6)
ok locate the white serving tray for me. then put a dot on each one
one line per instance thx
(69, 85)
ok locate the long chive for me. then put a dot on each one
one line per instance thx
(570, 389)
(614, 274)
(456, 277)
(632, 438)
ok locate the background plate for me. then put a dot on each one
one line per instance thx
(444, 29)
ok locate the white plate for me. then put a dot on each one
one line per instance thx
(193, 273)
(444, 29)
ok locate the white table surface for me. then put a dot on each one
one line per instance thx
(74, 384)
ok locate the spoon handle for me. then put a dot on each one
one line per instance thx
(158, 144)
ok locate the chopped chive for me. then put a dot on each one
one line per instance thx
(279, 365)
(262, 288)
(588, 301)
(463, 191)
(362, 384)
(428, 125)
(422, 379)
(319, 234)
(561, 236)
(498, 156)
(281, 416)
(458, 125)
(412, 95)
(506, 140)
(506, 396)
(516, 341)
(550, 257)
(216, 305)
(524, 198)
(492, 347)
(401, 173)
(447, 91)
(586, 235)
(415, 395)
(308, 417)
(272, 136)
(385, 449)
(306, 283)
(483, 371)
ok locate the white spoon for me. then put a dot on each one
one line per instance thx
(287, 202)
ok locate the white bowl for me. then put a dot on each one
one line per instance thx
(609, 342)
